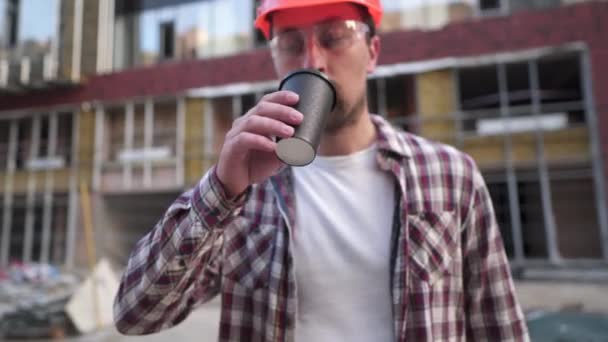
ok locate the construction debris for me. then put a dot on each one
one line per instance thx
(90, 308)
(42, 301)
(32, 300)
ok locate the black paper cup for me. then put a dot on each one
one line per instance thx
(317, 100)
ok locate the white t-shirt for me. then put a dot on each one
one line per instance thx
(342, 249)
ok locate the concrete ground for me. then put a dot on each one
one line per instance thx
(202, 325)
(556, 296)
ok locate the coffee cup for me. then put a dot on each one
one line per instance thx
(317, 99)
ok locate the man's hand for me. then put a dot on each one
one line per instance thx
(248, 154)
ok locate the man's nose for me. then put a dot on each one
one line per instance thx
(315, 57)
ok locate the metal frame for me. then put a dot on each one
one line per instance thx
(596, 173)
(514, 208)
(381, 96)
(596, 154)
(208, 117)
(128, 144)
(98, 148)
(8, 193)
(47, 214)
(457, 116)
(31, 193)
(148, 136)
(24, 71)
(237, 106)
(177, 160)
(73, 208)
(543, 173)
(180, 141)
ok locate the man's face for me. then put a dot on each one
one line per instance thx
(347, 64)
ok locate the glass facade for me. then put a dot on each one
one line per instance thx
(187, 30)
(28, 28)
(152, 31)
(434, 14)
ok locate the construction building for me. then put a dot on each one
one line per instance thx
(133, 98)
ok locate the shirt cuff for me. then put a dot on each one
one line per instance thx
(212, 204)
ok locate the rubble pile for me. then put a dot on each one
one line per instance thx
(32, 301)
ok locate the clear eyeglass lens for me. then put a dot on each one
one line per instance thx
(331, 36)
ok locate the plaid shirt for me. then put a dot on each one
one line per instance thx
(450, 277)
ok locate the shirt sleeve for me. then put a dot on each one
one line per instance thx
(178, 263)
(493, 312)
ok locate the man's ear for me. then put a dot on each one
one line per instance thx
(374, 51)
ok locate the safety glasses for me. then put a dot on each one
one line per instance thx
(334, 36)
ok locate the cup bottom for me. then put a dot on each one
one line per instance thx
(295, 151)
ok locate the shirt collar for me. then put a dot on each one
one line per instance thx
(389, 138)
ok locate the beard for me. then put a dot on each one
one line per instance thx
(342, 116)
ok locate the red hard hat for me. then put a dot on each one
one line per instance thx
(267, 6)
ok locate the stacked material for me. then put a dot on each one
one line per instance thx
(32, 301)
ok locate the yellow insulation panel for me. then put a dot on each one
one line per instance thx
(486, 151)
(571, 144)
(61, 180)
(436, 103)
(195, 140)
(86, 139)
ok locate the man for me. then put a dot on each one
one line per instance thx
(384, 237)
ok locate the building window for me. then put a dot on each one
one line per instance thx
(247, 102)
(54, 247)
(59, 224)
(65, 134)
(17, 32)
(44, 144)
(223, 115)
(54, 142)
(401, 102)
(558, 94)
(527, 119)
(114, 134)
(259, 39)
(38, 224)
(5, 128)
(9, 22)
(489, 5)
(167, 40)
(425, 14)
(575, 210)
(531, 215)
(164, 139)
(17, 229)
(24, 139)
(499, 192)
(395, 98)
(149, 32)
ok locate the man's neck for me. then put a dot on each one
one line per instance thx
(357, 136)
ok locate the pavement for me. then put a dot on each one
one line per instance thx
(581, 296)
(201, 326)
